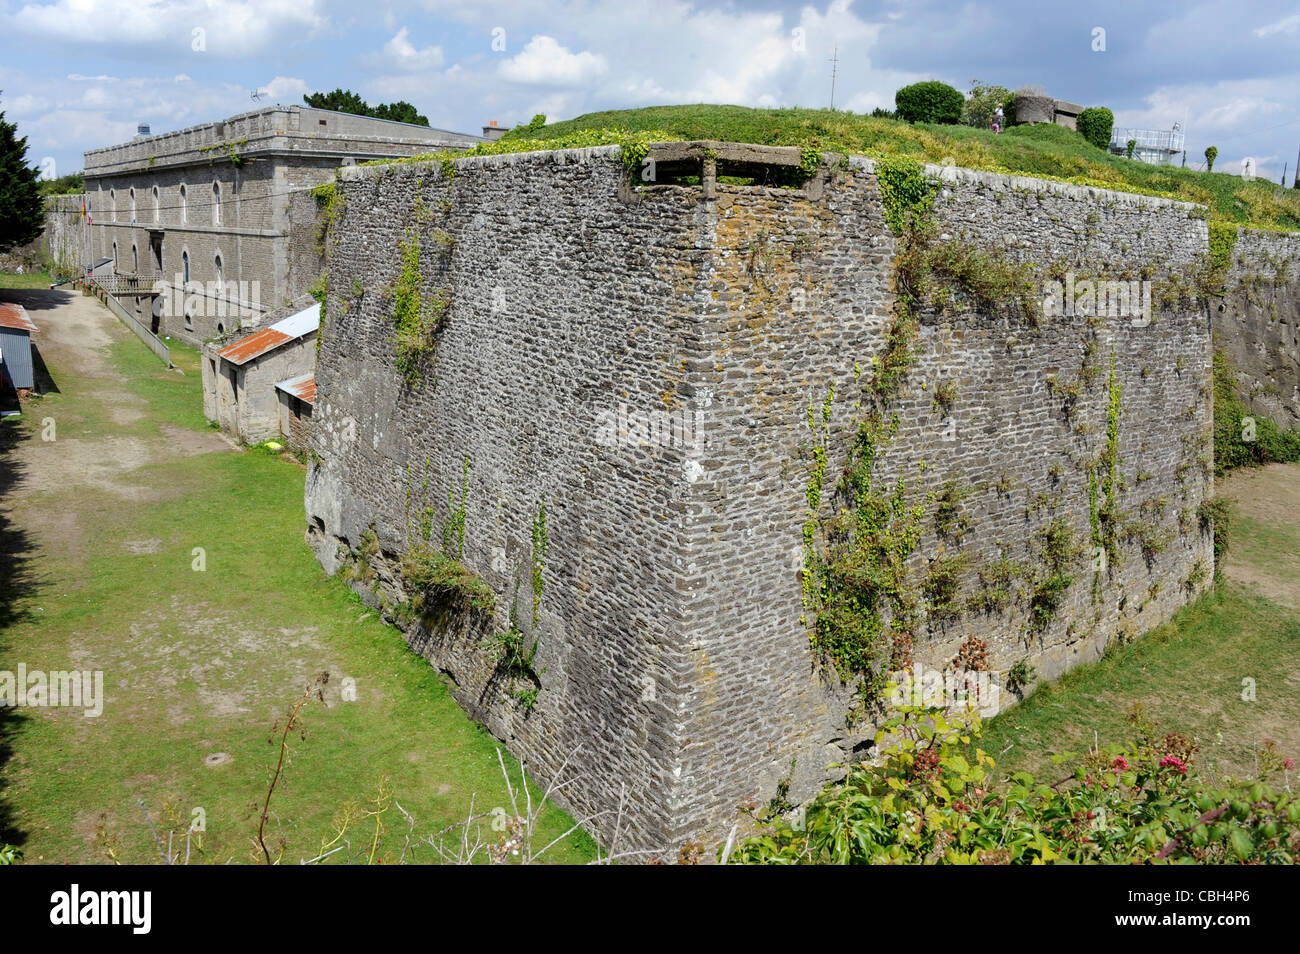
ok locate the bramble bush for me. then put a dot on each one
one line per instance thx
(935, 798)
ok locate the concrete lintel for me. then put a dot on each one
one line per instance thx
(726, 151)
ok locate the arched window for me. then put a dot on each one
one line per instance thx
(156, 205)
(133, 205)
(112, 205)
(216, 203)
(135, 260)
(184, 210)
(114, 258)
(221, 278)
(185, 263)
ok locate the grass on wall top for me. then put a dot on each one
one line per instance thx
(1041, 150)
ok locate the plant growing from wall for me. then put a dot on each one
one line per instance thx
(1057, 551)
(437, 584)
(539, 559)
(1020, 675)
(416, 318)
(453, 530)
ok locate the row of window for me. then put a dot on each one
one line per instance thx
(217, 264)
(157, 204)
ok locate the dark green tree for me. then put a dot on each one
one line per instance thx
(346, 101)
(1211, 153)
(341, 100)
(401, 112)
(22, 212)
(74, 183)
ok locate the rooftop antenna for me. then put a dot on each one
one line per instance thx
(256, 94)
(835, 65)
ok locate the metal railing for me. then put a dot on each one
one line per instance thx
(126, 284)
(1165, 140)
(151, 340)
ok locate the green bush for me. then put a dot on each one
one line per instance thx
(935, 798)
(929, 102)
(1095, 124)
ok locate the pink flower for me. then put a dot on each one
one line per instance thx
(1288, 763)
(1175, 762)
(1119, 762)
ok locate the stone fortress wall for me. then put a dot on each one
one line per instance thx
(628, 398)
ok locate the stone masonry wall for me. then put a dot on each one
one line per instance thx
(1257, 323)
(643, 361)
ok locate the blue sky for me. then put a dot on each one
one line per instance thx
(79, 74)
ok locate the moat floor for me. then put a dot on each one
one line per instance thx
(202, 650)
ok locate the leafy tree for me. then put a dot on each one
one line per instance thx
(929, 102)
(980, 105)
(22, 213)
(1211, 153)
(341, 100)
(74, 183)
(401, 112)
(346, 101)
(1129, 147)
(1095, 125)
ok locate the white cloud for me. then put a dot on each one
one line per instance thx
(231, 28)
(286, 89)
(545, 62)
(1287, 25)
(399, 52)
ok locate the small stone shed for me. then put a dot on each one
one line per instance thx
(241, 370)
(297, 395)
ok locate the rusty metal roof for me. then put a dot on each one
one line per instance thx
(15, 317)
(303, 387)
(268, 339)
(258, 343)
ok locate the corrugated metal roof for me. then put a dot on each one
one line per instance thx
(302, 387)
(268, 339)
(15, 316)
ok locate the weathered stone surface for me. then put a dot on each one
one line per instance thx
(675, 670)
(1257, 323)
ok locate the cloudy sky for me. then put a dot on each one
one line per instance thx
(79, 74)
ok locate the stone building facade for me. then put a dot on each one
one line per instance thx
(632, 393)
(217, 217)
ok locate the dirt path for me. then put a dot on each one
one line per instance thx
(1266, 504)
(75, 333)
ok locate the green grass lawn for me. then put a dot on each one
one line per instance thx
(25, 280)
(204, 663)
(1038, 150)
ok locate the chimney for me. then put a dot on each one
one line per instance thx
(492, 131)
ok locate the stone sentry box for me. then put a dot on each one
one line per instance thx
(640, 360)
